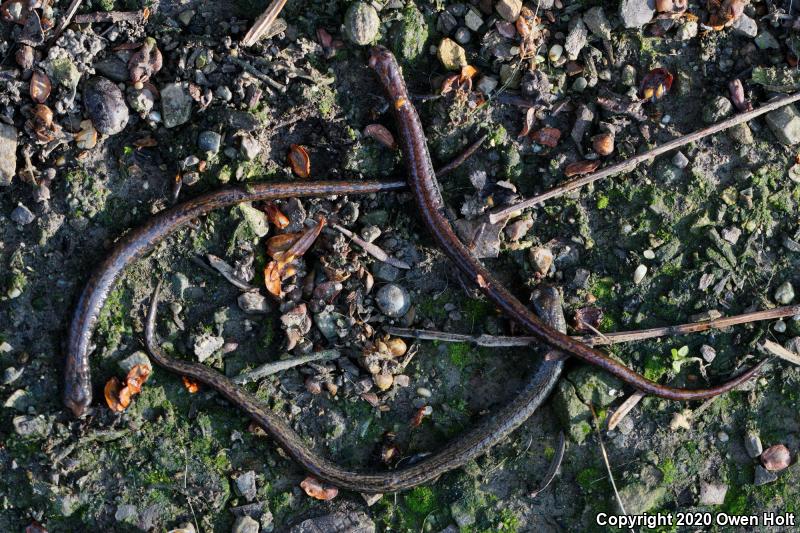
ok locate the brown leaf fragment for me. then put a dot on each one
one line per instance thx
(299, 161)
(112, 394)
(419, 415)
(547, 137)
(314, 488)
(272, 279)
(581, 167)
(587, 319)
(40, 86)
(276, 216)
(191, 385)
(145, 62)
(530, 120)
(381, 134)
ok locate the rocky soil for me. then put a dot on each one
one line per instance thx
(136, 105)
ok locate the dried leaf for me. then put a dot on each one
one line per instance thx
(530, 120)
(314, 488)
(86, 139)
(419, 415)
(449, 84)
(272, 279)
(112, 394)
(302, 245)
(35, 527)
(145, 62)
(191, 385)
(136, 378)
(380, 134)
(547, 137)
(299, 161)
(276, 216)
(40, 86)
(655, 84)
(146, 142)
(737, 96)
(467, 73)
(581, 167)
(587, 319)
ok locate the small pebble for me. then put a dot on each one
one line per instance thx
(209, 141)
(22, 215)
(784, 294)
(649, 254)
(393, 300)
(776, 458)
(555, 52)
(361, 23)
(752, 443)
(779, 326)
(462, 35)
(680, 160)
(708, 353)
(425, 393)
(639, 274)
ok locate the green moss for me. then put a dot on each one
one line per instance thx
(421, 501)
(654, 368)
(433, 309)
(460, 354)
(105, 5)
(588, 477)
(602, 289)
(410, 35)
(602, 202)
(668, 471)
(111, 323)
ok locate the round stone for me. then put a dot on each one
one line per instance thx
(105, 106)
(361, 23)
(393, 300)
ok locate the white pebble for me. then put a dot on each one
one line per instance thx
(649, 254)
(425, 393)
(555, 52)
(639, 274)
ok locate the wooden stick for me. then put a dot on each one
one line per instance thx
(71, 10)
(625, 408)
(372, 249)
(776, 349)
(493, 341)
(109, 16)
(554, 465)
(605, 460)
(631, 163)
(268, 369)
(466, 154)
(263, 22)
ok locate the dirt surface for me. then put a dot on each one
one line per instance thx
(716, 228)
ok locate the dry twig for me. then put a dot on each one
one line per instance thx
(109, 16)
(776, 349)
(605, 460)
(268, 369)
(71, 10)
(263, 22)
(458, 161)
(371, 249)
(554, 465)
(493, 341)
(629, 164)
(625, 408)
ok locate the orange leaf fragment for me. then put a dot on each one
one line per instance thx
(299, 161)
(276, 216)
(419, 415)
(279, 244)
(449, 83)
(380, 134)
(581, 167)
(316, 489)
(467, 73)
(112, 393)
(191, 385)
(40, 86)
(136, 378)
(547, 136)
(272, 279)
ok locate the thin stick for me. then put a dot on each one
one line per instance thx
(625, 408)
(371, 249)
(263, 22)
(605, 460)
(554, 465)
(458, 161)
(110, 16)
(493, 341)
(631, 163)
(776, 349)
(71, 10)
(268, 369)
(250, 69)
